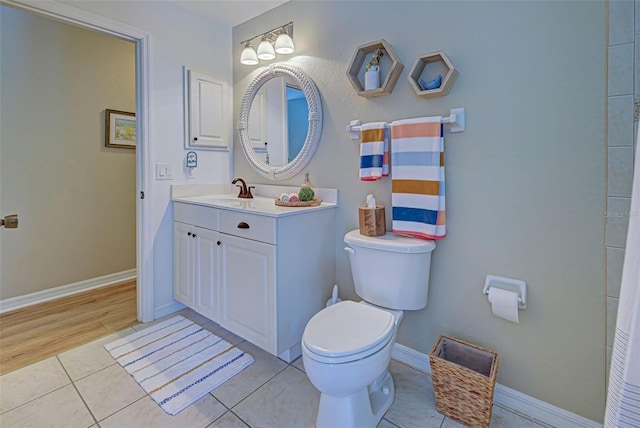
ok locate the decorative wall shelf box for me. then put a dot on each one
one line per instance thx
(428, 67)
(356, 69)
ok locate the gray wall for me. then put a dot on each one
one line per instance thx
(75, 198)
(525, 182)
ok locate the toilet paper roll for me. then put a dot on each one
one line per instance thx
(504, 304)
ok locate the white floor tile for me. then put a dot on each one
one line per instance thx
(413, 405)
(229, 420)
(31, 382)
(287, 400)
(146, 413)
(299, 364)
(90, 358)
(253, 377)
(222, 333)
(61, 408)
(109, 390)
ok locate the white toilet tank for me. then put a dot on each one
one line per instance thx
(390, 271)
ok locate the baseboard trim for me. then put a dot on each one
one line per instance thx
(508, 398)
(19, 302)
(167, 309)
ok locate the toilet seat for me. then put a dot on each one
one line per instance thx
(347, 331)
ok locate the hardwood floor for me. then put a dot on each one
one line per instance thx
(40, 331)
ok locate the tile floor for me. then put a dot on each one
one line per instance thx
(85, 387)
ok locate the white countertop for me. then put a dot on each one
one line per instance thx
(263, 202)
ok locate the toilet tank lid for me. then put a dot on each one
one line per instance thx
(389, 242)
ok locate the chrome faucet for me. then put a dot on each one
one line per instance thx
(245, 192)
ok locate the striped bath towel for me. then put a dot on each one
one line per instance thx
(417, 180)
(374, 151)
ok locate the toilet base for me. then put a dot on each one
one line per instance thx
(362, 409)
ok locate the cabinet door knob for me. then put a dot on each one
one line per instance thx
(243, 225)
(194, 235)
(218, 242)
(189, 233)
(195, 138)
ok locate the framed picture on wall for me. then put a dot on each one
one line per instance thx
(120, 129)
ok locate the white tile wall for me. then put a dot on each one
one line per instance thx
(622, 123)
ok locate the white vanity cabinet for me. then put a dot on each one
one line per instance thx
(272, 273)
(195, 255)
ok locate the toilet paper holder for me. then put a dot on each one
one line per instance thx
(510, 284)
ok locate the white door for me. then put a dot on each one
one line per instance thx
(247, 274)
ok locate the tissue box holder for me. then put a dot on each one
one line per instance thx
(464, 379)
(372, 221)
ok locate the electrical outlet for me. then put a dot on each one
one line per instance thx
(164, 171)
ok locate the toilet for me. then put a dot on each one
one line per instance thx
(346, 347)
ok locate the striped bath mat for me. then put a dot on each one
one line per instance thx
(177, 361)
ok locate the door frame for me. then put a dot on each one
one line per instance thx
(144, 243)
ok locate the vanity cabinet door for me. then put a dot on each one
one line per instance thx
(247, 282)
(183, 249)
(206, 295)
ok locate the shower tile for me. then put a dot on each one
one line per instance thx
(612, 314)
(621, 21)
(620, 171)
(615, 259)
(620, 121)
(621, 69)
(618, 211)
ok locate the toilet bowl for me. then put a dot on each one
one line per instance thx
(346, 347)
(346, 350)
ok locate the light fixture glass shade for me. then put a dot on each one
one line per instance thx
(248, 56)
(284, 44)
(265, 50)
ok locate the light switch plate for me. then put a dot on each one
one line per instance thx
(164, 171)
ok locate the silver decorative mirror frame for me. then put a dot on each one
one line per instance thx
(314, 131)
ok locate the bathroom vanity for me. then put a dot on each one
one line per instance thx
(257, 269)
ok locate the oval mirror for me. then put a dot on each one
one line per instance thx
(280, 121)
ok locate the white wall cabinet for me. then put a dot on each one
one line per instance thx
(262, 277)
(206, 111)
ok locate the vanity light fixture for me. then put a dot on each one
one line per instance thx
(265, 50)
(248, 56)
(281, 37)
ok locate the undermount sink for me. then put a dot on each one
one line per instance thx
(255, 203)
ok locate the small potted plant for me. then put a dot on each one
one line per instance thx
(372, 75)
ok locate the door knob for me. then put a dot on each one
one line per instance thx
(10, 221)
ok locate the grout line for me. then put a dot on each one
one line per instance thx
(237, 416)
(255, 390)
(77, 390)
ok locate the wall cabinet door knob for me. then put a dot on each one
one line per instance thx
(218, 242)
(194, 235)
(195, 138)
(188, 233)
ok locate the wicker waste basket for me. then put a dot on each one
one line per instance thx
(464, 378)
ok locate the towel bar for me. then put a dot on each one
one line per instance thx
(455, 119)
